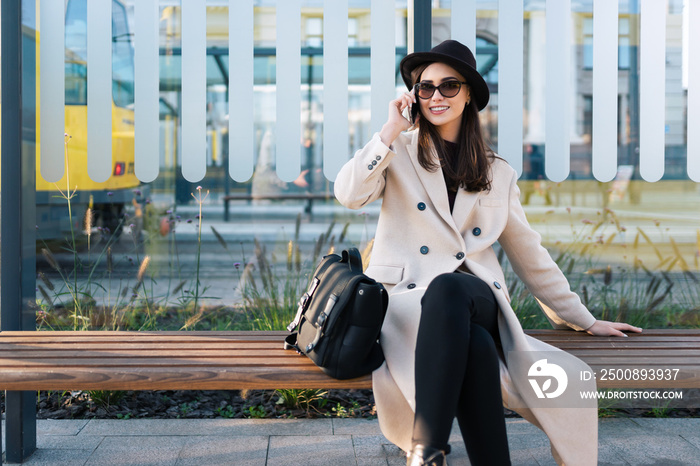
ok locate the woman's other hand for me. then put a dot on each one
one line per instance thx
(396, 123)
(611, 329)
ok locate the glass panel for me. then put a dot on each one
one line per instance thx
(130, 221)
(594, 224)
(588, 52)
(122, 58)
(76, 53)
(52, 118)
(624, 27)
(624, 51)
(314, 32)
(169, 256)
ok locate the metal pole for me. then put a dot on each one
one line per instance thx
(633, 148)
(18, 269)
(227, 176)
(308, 135)
(419, 26)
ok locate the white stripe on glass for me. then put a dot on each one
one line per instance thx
(693, 91)
(652, 89)
(240, 97)
(463, 22)
(194, 90)
(558, 79)
(288, 128)
(52, 54)
(335, 86)
(146, 105)
(604, 146)
(382, 61)
(510, 82)
(99, 90)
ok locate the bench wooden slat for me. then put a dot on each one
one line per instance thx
(286, 359)
(646, 331)
(692, 336)
(631, 346)
(43, 348)
(177, 378)
(635, 360)
(147, 352)
(540, 334)
(282, 362)
(226, 378)
(180, 360)
(122, 336)
(145, 341)
(9, 344)
(86, 354)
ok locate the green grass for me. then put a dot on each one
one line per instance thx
(641, 295)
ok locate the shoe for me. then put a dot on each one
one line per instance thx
(426, 456)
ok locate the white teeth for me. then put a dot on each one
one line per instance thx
(438, 109)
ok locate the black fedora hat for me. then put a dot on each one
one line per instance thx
(456, 55)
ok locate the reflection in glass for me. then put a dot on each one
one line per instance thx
(627, 224)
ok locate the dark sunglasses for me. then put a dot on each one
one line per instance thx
(447, 89)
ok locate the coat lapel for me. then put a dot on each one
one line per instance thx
(434, 185)
(433, 182)
(464, 203)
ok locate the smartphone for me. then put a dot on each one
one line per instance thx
(414, 113)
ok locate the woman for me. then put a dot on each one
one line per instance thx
(450, 338)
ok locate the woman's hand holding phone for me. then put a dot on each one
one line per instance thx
(397, 122)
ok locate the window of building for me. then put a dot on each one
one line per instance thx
(623, 43)
(352, 32)
(314, 32)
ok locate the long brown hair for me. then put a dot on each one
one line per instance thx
(471, 170)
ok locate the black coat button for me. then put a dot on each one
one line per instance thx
(460, 255)
(374, 162)
(411, 286)
(497, 285)
(424, 250)
(421, 206)
(476, 231)
(369, 167)
(379, 157)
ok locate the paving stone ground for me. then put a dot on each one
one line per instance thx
(622, 441)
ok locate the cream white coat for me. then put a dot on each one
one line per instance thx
(402, 263)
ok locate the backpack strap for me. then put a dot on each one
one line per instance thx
(353, 257)
(290, 342)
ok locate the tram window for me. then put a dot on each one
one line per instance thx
(76, 53)
(122, 58)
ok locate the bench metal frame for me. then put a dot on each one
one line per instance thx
(17, 303)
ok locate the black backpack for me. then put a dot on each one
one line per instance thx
(340, 317)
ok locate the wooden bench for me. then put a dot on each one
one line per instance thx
(256, 360)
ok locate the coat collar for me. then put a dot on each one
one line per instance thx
(434, 184)
(464, 204)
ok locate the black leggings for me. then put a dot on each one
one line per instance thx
(457, 370)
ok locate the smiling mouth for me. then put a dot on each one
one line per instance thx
(438, 110)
